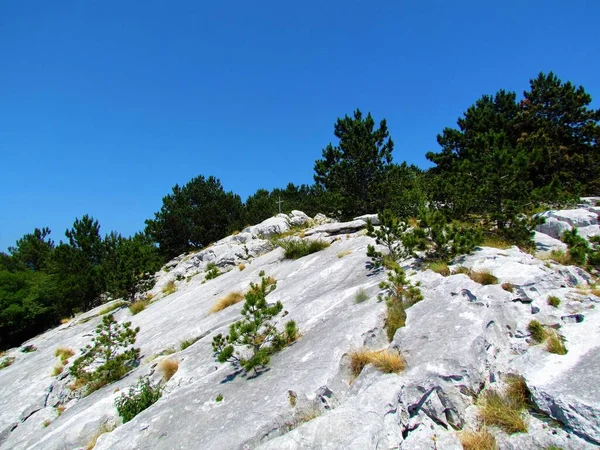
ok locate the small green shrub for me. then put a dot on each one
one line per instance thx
(29, 349)
(261, 273)
(484, 278)
(107, 359)
(169, 288)
(297, 248)
(212, 271)
(361, 296)
(7, 362)
(187, 343)
(219, 398)
(553, 301)
(137, 399)
(537, 330)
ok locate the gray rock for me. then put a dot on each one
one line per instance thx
(332, 229)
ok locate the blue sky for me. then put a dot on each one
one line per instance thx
(104, 106)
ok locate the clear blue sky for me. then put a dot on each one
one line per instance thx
(105, 105)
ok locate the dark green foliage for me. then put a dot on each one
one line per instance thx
(297, 248)
(29, 349)
(404, 190)
(108, 357)
(355, 170)
(581, 252)
(255, 332)
(137, 399)
(389, 233)
(212, 271)
(195, 215)
(33, 250)
(400, 294)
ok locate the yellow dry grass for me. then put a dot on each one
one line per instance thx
(502, 412)
(387, 361)
(138, 306)
(225, 302)
(477, 440)
(168, 367)
(483, 277)
(63, 353)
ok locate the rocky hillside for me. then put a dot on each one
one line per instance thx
(463, 341)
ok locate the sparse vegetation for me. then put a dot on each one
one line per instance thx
(57, 370)
(440, 267)
(255, 331)
(303, 416)
(168, 367)
(7, 362)
(111, 308)
(138, 398)
(555, 344)
(64, 353)
(46, 423)
(225, 302)
(361, 296)
(503, 412)
(187, 343)
(387, 361)
(495, 241)
(241, 266)
(483, 277)
(477, 440)
(105, 428)
(297, 248)
(537, 330)
(169, 288)
(553, 301)
(165, 352)
(461, 269)
(28, 349)
(400, 294)
(212, 271)
(560, 257)
(343, 253)
(219, 398)
(108, 358)
(138, 306)
(508, 287)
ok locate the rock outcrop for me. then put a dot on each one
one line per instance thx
(461, 340)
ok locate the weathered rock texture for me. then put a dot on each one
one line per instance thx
(462, 339)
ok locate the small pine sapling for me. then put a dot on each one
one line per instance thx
(255, 332)
(107, 359)
(138, 398)
(389, 234)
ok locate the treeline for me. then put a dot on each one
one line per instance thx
(505, 158)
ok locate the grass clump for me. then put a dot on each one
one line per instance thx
(138, 398)
(461, 269)
(508, 287)
(169, 288)
(219, 398)
(361, 296)
(297, 248)
(57, 370)
(555, 344)
(477, 440)
(168, 367)
(241, 266)
(483, 277)
(561, 257)
(343, 253)
(105, 428)
(503, 412)
(225, 302)
(537, 330)
(495, 241)
(64, 353)
(440, 267)
(111, 308)
(187, 343)
(386, 361)
(7, 362)
(553, 301)
(138, 306)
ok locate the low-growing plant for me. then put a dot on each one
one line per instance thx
(537, 330)
(57, 370)
(168, 367)
(111, 308)
(297, 248)
(553, 301)
(555, 344)
(188, 343)
(169, 288)
(508, 287)
(400, 294)
(46, 423)
(343, 253)
(386, 361)
(501, 411)
(483, 277)
(560, 257)
(105, 428)
(138, 306)
(477, 440)
(255, 332)
(302, 417)
(261, 273)
(28, 349)
(225, 302)
(461, 269)
(241, 266)
(138, 398)
(212, 271)
(108, 357)
(440, 267)
(495, 241)
(7, 362)
(361, 296)
(65, 320)
(165, 352)
(219, 398)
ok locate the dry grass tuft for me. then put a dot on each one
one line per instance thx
(482, 277)
(105, 428)
(187, 343)
(537, 330)
(561, 257)
(344, 253)
(387, 361)
(361, 296)
(138, 306)
(225, 302)
(168, 367)
(440, 267)
(508, 287)
(461, 269)
(500, 411)
(241, 266)
(169, 288)
(517, 392)
(495, 242)
(7, 362)
(477, 440)
(57, 370)
(555, 344)
(65, 320)
(112, 307)
(63, 353)
(553, 301)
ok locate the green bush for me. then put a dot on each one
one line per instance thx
(108, 358)
(297, 248)
(255, 331)
(212, 271)
(137, 399)
(554, 301)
